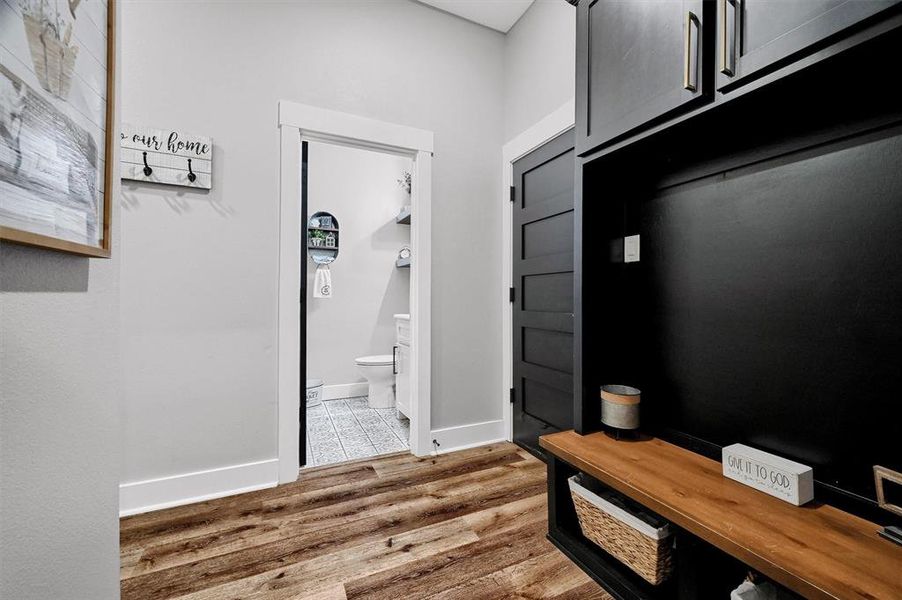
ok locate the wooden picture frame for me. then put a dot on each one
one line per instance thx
(56, 76)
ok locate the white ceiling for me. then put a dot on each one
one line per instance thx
(497, 14)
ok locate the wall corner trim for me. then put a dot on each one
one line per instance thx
(187, 488)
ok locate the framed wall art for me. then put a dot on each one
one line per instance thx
(56, 123)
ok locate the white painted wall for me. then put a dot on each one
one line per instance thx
(360, 188)
(539, 64)
(59, 422)
(200, 278)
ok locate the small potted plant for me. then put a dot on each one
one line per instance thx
(405, 181)
(317, 237)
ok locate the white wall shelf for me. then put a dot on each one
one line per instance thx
(403, 217)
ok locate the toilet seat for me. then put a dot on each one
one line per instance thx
(378, 360)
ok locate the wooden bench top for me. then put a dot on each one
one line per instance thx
(816, 550)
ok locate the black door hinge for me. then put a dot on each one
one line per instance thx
(513, 395)
(513, 294)
(513, 194)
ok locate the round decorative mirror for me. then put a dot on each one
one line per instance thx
(322, 238)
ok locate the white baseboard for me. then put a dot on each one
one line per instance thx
(468, 436)
(188, 488)
(345, 390)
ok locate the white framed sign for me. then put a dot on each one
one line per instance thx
(784, 479)
(166, 156)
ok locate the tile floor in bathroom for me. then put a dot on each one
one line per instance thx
(348, 429)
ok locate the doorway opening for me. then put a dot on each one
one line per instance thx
(356, 221)
(305, 130)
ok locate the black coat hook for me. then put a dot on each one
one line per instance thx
(191, 175)
(147, 169)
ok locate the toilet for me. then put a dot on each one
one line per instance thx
(380, 376)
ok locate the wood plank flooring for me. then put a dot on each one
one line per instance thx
(468, 525)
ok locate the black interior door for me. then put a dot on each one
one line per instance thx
(543, 291)
(302, 307)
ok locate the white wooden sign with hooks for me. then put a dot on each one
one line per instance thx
(166, 156)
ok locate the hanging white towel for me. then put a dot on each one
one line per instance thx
(322, 282)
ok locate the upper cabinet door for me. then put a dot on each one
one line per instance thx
(754, 35)
(636, 61)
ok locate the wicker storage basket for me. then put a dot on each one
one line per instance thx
(643, 544)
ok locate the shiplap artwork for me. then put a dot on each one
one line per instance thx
(56, 88)
(171, 155)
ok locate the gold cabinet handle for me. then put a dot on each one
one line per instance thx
(690, 67)
(727, 39)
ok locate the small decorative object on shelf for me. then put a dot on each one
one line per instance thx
(403, 258)
(322, 238)
(403, 217)
(784, 479)
(881, 476)
(405, 182)
(620, 407)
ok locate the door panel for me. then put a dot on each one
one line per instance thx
(548, 293)
(550, 348)
(548, 404)
(756, 36)
(636, 62)
(543, 278)
(551, 235)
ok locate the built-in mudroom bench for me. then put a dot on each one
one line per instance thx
(721, 529)
(737, 222)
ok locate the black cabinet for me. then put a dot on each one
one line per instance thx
(642, 66)
(636, 62)
(755, 36)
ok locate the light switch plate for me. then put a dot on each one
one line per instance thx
(631, 248)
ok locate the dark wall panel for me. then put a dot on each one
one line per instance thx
(768, 307)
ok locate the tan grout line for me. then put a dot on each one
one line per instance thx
(335, 429)
(392, 429)
(362, 428)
